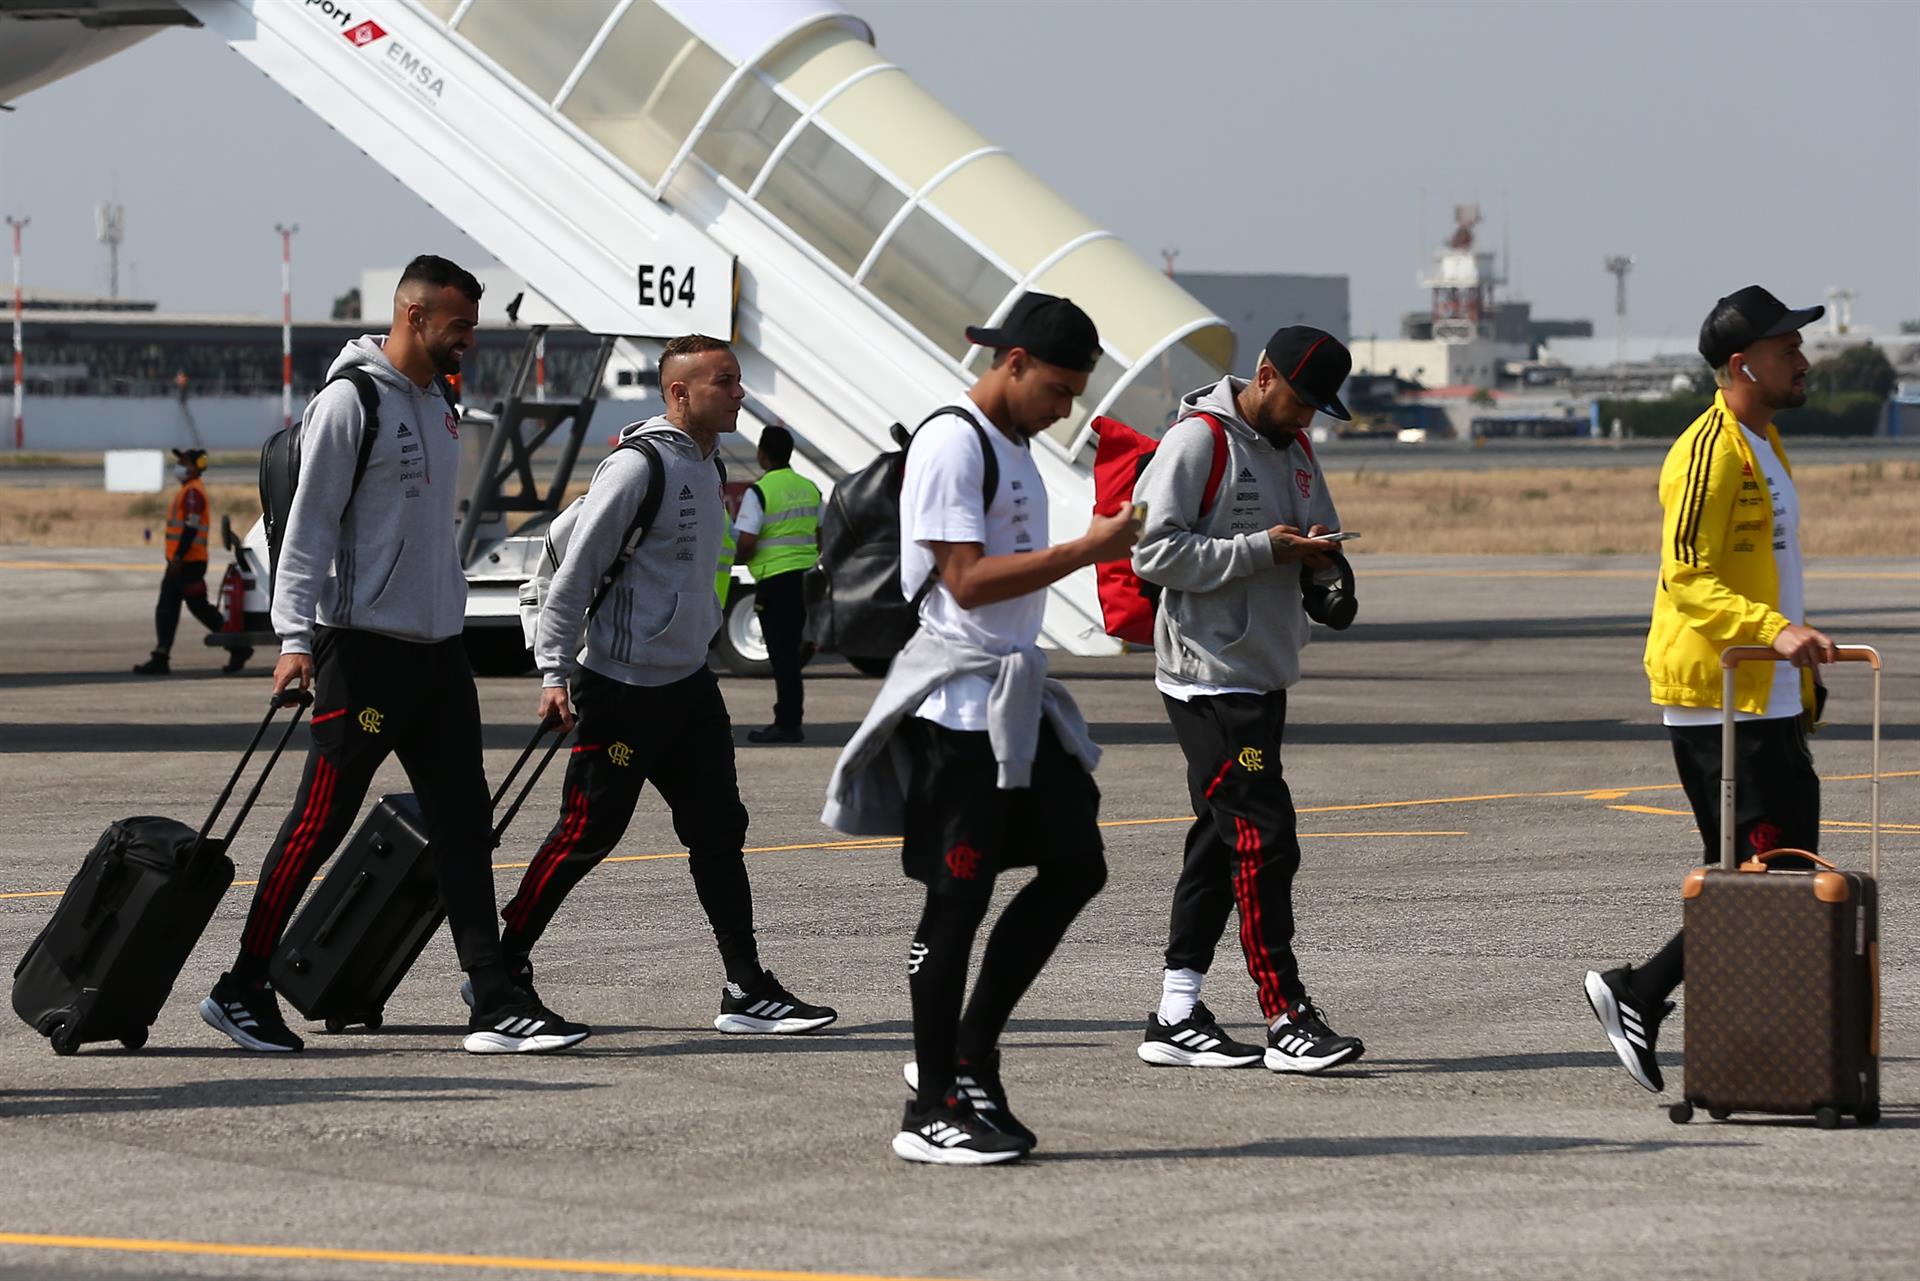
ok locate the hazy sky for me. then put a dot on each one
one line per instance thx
(1718, 143)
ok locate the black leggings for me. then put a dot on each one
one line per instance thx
(186, 585)
(1019, 947)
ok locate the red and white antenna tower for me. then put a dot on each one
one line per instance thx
(286, 321)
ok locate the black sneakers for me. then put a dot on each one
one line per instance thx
(521, 1025)
(236, 661)
(520, 970)
(978, 1085)
(1195, 1041)
(157, 665)
(1304, 1043)
(1631, 1026)
(952, 1133)
(250, 1015)
(768, 1008)
(777, 734)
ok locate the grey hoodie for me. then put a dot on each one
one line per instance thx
(662, 612)
(1228, 614)
(867, 795)
(384, 562)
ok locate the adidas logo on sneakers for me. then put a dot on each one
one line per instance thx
(519, 1026)
(1195, 1040)
(1631, 1025)
(1293, 1043)
(237, 1013)
(769, 1010)
(942, 1133)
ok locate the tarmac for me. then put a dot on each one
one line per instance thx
(1488, 808)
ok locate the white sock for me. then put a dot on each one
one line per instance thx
(1179, 990)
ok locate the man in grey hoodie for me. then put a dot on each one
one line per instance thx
(369, 603)
(1227, 642)
(649, 707)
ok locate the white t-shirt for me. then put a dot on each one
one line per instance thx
(751, 514)
(1185, 691)
(1784, 700)
(940, 503)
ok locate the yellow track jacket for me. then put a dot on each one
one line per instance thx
(1718, 583)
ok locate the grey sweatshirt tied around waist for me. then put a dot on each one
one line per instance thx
(867, 795)
(661, 613)
(1228, 615)
(385, 561)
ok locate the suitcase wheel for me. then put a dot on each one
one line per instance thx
(1680, 1113)
(135, 1039)
(375, 1019)
(1827, 1118)
(1868, 1115)
(63, 1043)
(336, 1026)
(1719, 1114)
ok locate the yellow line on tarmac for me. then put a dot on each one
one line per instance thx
(101, 566)
(496, 1262)
(1650, 809)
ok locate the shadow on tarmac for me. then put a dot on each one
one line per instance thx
(226, 1092)
(1392, 1145)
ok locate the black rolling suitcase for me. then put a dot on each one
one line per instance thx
(1783, 967)
(103, 966)
(368, 921)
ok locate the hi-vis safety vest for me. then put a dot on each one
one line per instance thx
(723, 573)
(188, 511)
(790, 529)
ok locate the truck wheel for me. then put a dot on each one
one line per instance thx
(497, 651)
(739, 648)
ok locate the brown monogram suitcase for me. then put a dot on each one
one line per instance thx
(1783, 967)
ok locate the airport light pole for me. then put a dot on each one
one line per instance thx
(19, 347)
(286, 321)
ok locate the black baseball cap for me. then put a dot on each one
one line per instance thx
(1314, 363)
(1047, 328)
(191, 457)
(1744, 317)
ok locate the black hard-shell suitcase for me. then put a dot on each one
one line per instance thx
(105, 963)
(367, 922)
(1783, 967)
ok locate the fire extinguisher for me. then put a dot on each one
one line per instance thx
(233, 600)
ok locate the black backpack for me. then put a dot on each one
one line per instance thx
(854, 603)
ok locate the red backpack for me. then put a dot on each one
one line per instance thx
(1126, 602)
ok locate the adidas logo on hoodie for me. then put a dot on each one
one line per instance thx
(686, 491)
(1246, 473)
(404, 431)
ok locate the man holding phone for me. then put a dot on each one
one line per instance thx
(1239, 580)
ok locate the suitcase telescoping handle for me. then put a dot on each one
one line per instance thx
(299, 700)
(540, 731)
(1730, 659)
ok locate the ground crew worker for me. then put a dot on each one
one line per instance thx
(1730, 574)
(779, 535)
(185, 579)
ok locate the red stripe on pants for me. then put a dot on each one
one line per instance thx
(300, 843)
(1273, 1002)
(1219, 778)
(548, 860)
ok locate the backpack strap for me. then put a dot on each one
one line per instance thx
(1217, 470)
(369, 418)
(643, 518)
(989, 479)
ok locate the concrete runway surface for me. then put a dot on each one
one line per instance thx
(1488, 807)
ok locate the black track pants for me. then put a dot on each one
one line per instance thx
(187, 586)
(1242, 850)
(677, 737)
(783, 622)
(1776, 805)
(374, 695)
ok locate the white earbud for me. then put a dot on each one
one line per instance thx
(1749, 374)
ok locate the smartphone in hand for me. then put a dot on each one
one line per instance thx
(1338, 536)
